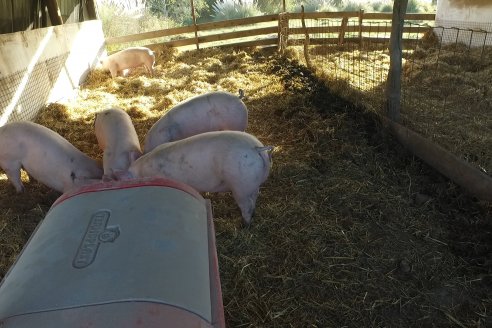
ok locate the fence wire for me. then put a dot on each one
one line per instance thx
(21, 92)
(446, 78)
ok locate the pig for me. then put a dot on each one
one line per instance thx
(214, 111)
(45, 156)
(216, 161)
(129, 58)
(118, 140)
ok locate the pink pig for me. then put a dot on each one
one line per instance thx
(118, 139)
(212, 111)
(129, 58)
(46, 156)
(216, 161)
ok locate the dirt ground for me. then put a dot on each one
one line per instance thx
(350, 230)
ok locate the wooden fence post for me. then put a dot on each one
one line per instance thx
(361, 17)
(306, 39)
(283, 6)
(194, 24)
(393, 84)
(44, 15)
(283, 31)
(54, 12)
(91, 9)
(341, 34)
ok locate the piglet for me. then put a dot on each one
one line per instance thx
(129, 58)
(214, 111)
(46, 156)
(215, 161)
(118, 140)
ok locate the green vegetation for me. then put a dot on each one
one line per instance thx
(126, 17)
(232, 9)
(118, 20)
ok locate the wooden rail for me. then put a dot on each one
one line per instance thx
(263, 30)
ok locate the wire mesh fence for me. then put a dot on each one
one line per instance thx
(21, 92)
(446, 89)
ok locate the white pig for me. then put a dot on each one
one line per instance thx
(129, 58)
(46, 156)
(214, 111)
(216, 161)
(118, 140)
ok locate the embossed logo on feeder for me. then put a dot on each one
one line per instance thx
(97, 232)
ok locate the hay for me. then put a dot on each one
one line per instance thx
(448, 98)
(349, 230)
(446, 91)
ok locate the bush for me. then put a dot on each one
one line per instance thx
(418, 6)
(118, 20)
(232, 9)
(353, 5)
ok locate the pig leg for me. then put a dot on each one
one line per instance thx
(150, 68)
(14, 174)
(246, 202)
(114, 70)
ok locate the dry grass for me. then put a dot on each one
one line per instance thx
(350, 230)
(449, 100)
(447, 94)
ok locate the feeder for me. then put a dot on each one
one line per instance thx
(137, 253)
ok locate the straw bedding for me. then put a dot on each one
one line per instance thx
(350, 229)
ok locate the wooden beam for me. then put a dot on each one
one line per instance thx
(393, 85)
(91, 9)
(237, 22)
(355, 28)
(361, 18)
(283, 32)
(341, 33)
(318, 15)
(44, 15)
(306, 40)
(54, 12)
(388, 16)
(150, 35)
(265, 30)
(462, 173)
(238, 34)
(194, 23)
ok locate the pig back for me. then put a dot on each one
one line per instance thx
(129, 57)
(214, 111)
(46, 155)
(208, 162)
(114, 127)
